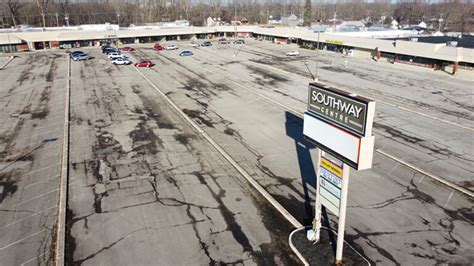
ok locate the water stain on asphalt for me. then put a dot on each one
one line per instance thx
(199, 116)
(42, 110)
(268, 77)
(8, 184)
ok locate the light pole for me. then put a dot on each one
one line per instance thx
(118, 19)
(317, 58)
(440, 20)
(9, 42)
(67, 20)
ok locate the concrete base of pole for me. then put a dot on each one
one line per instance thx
(324, 252)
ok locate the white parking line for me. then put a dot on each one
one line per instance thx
(42, 181)
(32, 259)
(28, 217)
(21, 240)
(449, 198)
(37, 197)
(42, 169)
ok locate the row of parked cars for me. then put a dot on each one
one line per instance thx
(159, 47)
(118, 58)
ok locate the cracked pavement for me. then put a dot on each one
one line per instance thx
(147, 189)
(31, 125)
(395, 215)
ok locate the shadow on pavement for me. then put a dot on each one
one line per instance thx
(294, 130)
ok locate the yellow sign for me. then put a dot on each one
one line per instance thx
(334, 42)
(335, 169)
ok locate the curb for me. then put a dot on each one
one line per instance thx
(60, 236)
(8, 62)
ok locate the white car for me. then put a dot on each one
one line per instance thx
(194, 44)
(115, 55)
(171, 47)
(293, 53)
(121, 61)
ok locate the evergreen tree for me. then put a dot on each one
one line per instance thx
(307, 13)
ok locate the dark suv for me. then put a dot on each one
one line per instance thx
(206, 44)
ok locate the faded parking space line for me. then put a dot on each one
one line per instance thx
(28, 217)
(32, 259)
(21, 240)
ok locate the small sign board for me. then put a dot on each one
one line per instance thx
(347, 111)
(334, 42)
(330, 185)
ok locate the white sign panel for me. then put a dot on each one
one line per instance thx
(337, 141)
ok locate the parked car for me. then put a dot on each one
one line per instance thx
(115, 55)
(206, 43)
(80, 56)
(186, 53)
(293, 53)
(194, 45)
(126, 49)
(171, 47)
(223, 41)
(121, 61)
(239, 41)
(158, 47)
(108, 50)
(144, 63)
(75, 53)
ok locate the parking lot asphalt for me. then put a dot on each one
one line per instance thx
(31, 124)
(395, 209)
(145, 187)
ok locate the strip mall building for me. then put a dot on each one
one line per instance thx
(436, 56)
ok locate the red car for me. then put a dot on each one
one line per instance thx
(158, 47)
(127, 49)
(144, 63)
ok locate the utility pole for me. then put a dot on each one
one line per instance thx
(317, 58)
(440, 20)
(67, 20)
(57, 20)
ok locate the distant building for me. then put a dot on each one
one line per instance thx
(351, 26)
(394, 25)
(239, 20)
(211, 22)
(291, 21)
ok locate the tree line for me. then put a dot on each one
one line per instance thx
(450, 15)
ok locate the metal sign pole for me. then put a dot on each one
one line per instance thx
(317, 205)
(342, 213)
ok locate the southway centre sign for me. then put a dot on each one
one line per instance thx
(335, 106)
(340, 123)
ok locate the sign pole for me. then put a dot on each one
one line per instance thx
(317, 205)
(342, 213)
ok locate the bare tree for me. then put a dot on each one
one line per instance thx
(14, 6)
(42, 4)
